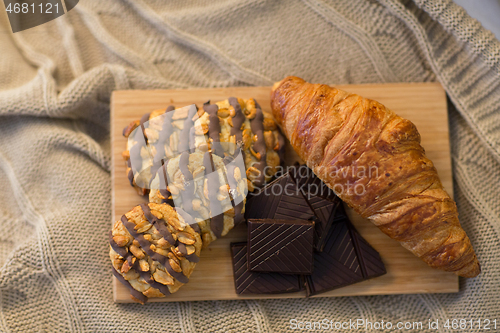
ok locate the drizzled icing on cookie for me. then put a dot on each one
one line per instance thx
(149, 280)
(162, 174)
(259, 145)
(217, 221)
(144, 119)
(159, 224)
(120, 250)
(191, 257)
(238, 119)
(136, 294)
(145, 245)
(214, 129)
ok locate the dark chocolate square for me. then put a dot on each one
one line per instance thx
(280, 199)
(346, 259)
(284, 246)
(337, 265)
(340, 214)
(320, 197)
(247, 282)
(371, 263)
(325, 215)
(310, 185)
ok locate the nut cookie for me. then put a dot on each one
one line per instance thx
(154, 249)
(220, 128)
(209, 188)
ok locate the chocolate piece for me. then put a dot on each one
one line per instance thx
(346, 259)
(283, 246)
(247, 282)
(337, 265)
(371, 263)
(320, 197)
(340, 214)
(310, 185)
(324, 211)
(280, 199)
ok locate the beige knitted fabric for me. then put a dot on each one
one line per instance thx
(55, 86)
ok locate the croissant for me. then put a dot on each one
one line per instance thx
(373, 160)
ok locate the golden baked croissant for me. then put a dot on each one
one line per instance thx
(355, 143)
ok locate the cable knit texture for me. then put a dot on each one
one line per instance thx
(55, 86)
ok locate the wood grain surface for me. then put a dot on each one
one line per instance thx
(422, 103)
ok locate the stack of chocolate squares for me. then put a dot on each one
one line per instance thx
(300, 236)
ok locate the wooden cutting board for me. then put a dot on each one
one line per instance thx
(422, 103)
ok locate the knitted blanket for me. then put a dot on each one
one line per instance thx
(55, 85)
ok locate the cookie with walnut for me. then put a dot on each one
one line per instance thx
(219, 128)
(154, 249)
(211, 189)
